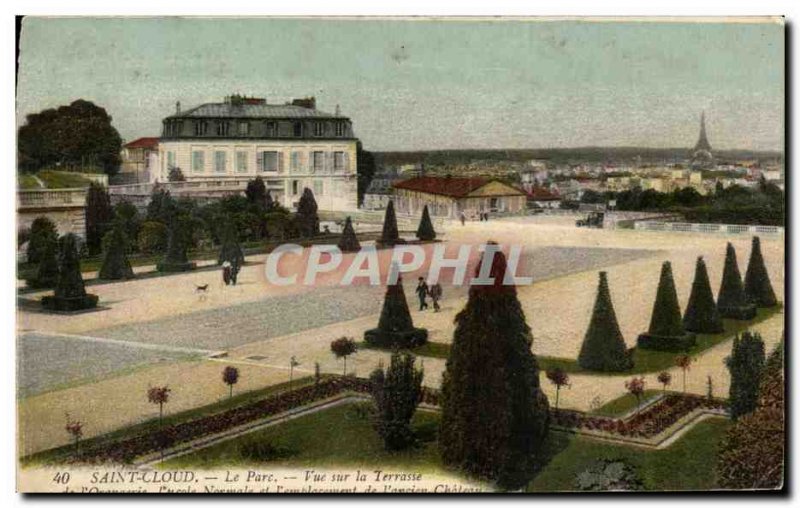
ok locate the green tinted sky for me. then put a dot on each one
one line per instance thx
(417, 84)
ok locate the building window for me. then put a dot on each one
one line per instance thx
(198, 161)
(200, 128)
(170, 159)
(241, 162)
(298, 129)
(244, 128)
(319, 161)
(219, 161)
(223, 128)
(295, 187)
(340, 129)
(269, 161)
(338, 161)
(296, 161)
(272, 129)
(318, 188)
(319, 129)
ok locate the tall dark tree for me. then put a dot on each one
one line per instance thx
(162, 207)
(306, 218)
(70, 293)
(746, 365)
(99, 216)
(666, 332)
(757, 286)
(365, 169)
(76, 136)
(127, 215)
(701, 314)
(176, 258)
(732, 302)
(494, 413)
(603, 346)
(395, 327)
(348, 242)
(43, 236)
(425, 231)
(46, 275)
(258, 195)
(396, 394)
(115, 259)
(390, 235)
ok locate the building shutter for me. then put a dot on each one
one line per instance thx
(329, 162)
(346, 162)
(280, 162)
(259, 161)
(310, 162)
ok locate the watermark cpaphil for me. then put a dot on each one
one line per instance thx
(291, 264)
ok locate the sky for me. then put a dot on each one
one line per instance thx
(418, 84)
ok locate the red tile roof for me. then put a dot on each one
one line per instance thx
(143, 143)
(542, 194)
(445, 186)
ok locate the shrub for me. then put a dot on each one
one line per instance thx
(43, 236)
(425, 231)
(732, 302)
(178, 237)
(746, 365)
(603, 346)
(701, 314)
(46, 274)
(175, 175)
(494, 414)
(153, 237)
(395, 326)
(757, 286)
(348, 242)
(608, 475)
(306, 219)
(396, 394)
(115, 260)
(70, 293)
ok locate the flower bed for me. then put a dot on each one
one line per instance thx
(650, 422)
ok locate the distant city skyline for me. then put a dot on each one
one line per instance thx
(429, 84)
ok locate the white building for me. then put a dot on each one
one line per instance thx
(291, 146)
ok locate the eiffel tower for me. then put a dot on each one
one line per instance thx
(702, 156)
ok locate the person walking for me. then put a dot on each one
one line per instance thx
(422, 292)
(436, 294)
(235, 267)
(226, 272)
(463, 218)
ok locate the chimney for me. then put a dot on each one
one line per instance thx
(338, 111)
(178, 108)
(307, 102)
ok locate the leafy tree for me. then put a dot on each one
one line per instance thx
(278, 224)
(684, 362)
(159, 395)
(666, 330)
(47, 272)
(603, 346)
(153, 237)
(757, 286)
(389, 234)
(306, 217)
(43, 235)
(425, 230)
(162, 207)
(230, 250)
(559, 378)
(746, 364)
(348, 242)
(258, 195)
(79, 135)
(395, 326)
(732, 302)
(115, 261)
(70, 293)
(99, 216)
(175, 175)
(75, 429)
(230, 376)
(494, 413)
(365, 169)
(635, 387)
(127, 215)
(701, 314)
(396, 394)
(342, 348)
(752, 456)
(665, 378)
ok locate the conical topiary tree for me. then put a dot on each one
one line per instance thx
(177, 259)
(701, 314)
(603, 346)
(425, 231)
(46, 275)
(757, 287)
(70, 293)
(732, 302)
(395, 326)
(494, 413)
(348, 242)
(666, 332)
(115, 260)
(307, 219)
(390, 235)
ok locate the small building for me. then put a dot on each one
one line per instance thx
(380, 189)
(450, 196)
(139, 160)
(539, 197)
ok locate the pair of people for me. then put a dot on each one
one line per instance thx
(230, 272)
(423, 291)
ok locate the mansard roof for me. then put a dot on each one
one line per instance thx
(228, 110)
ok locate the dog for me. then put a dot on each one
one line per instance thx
(201, 289)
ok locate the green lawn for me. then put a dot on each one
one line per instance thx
(645, 361)
(343, 437)
(27, 181)
(57, 455)
(62, 180)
